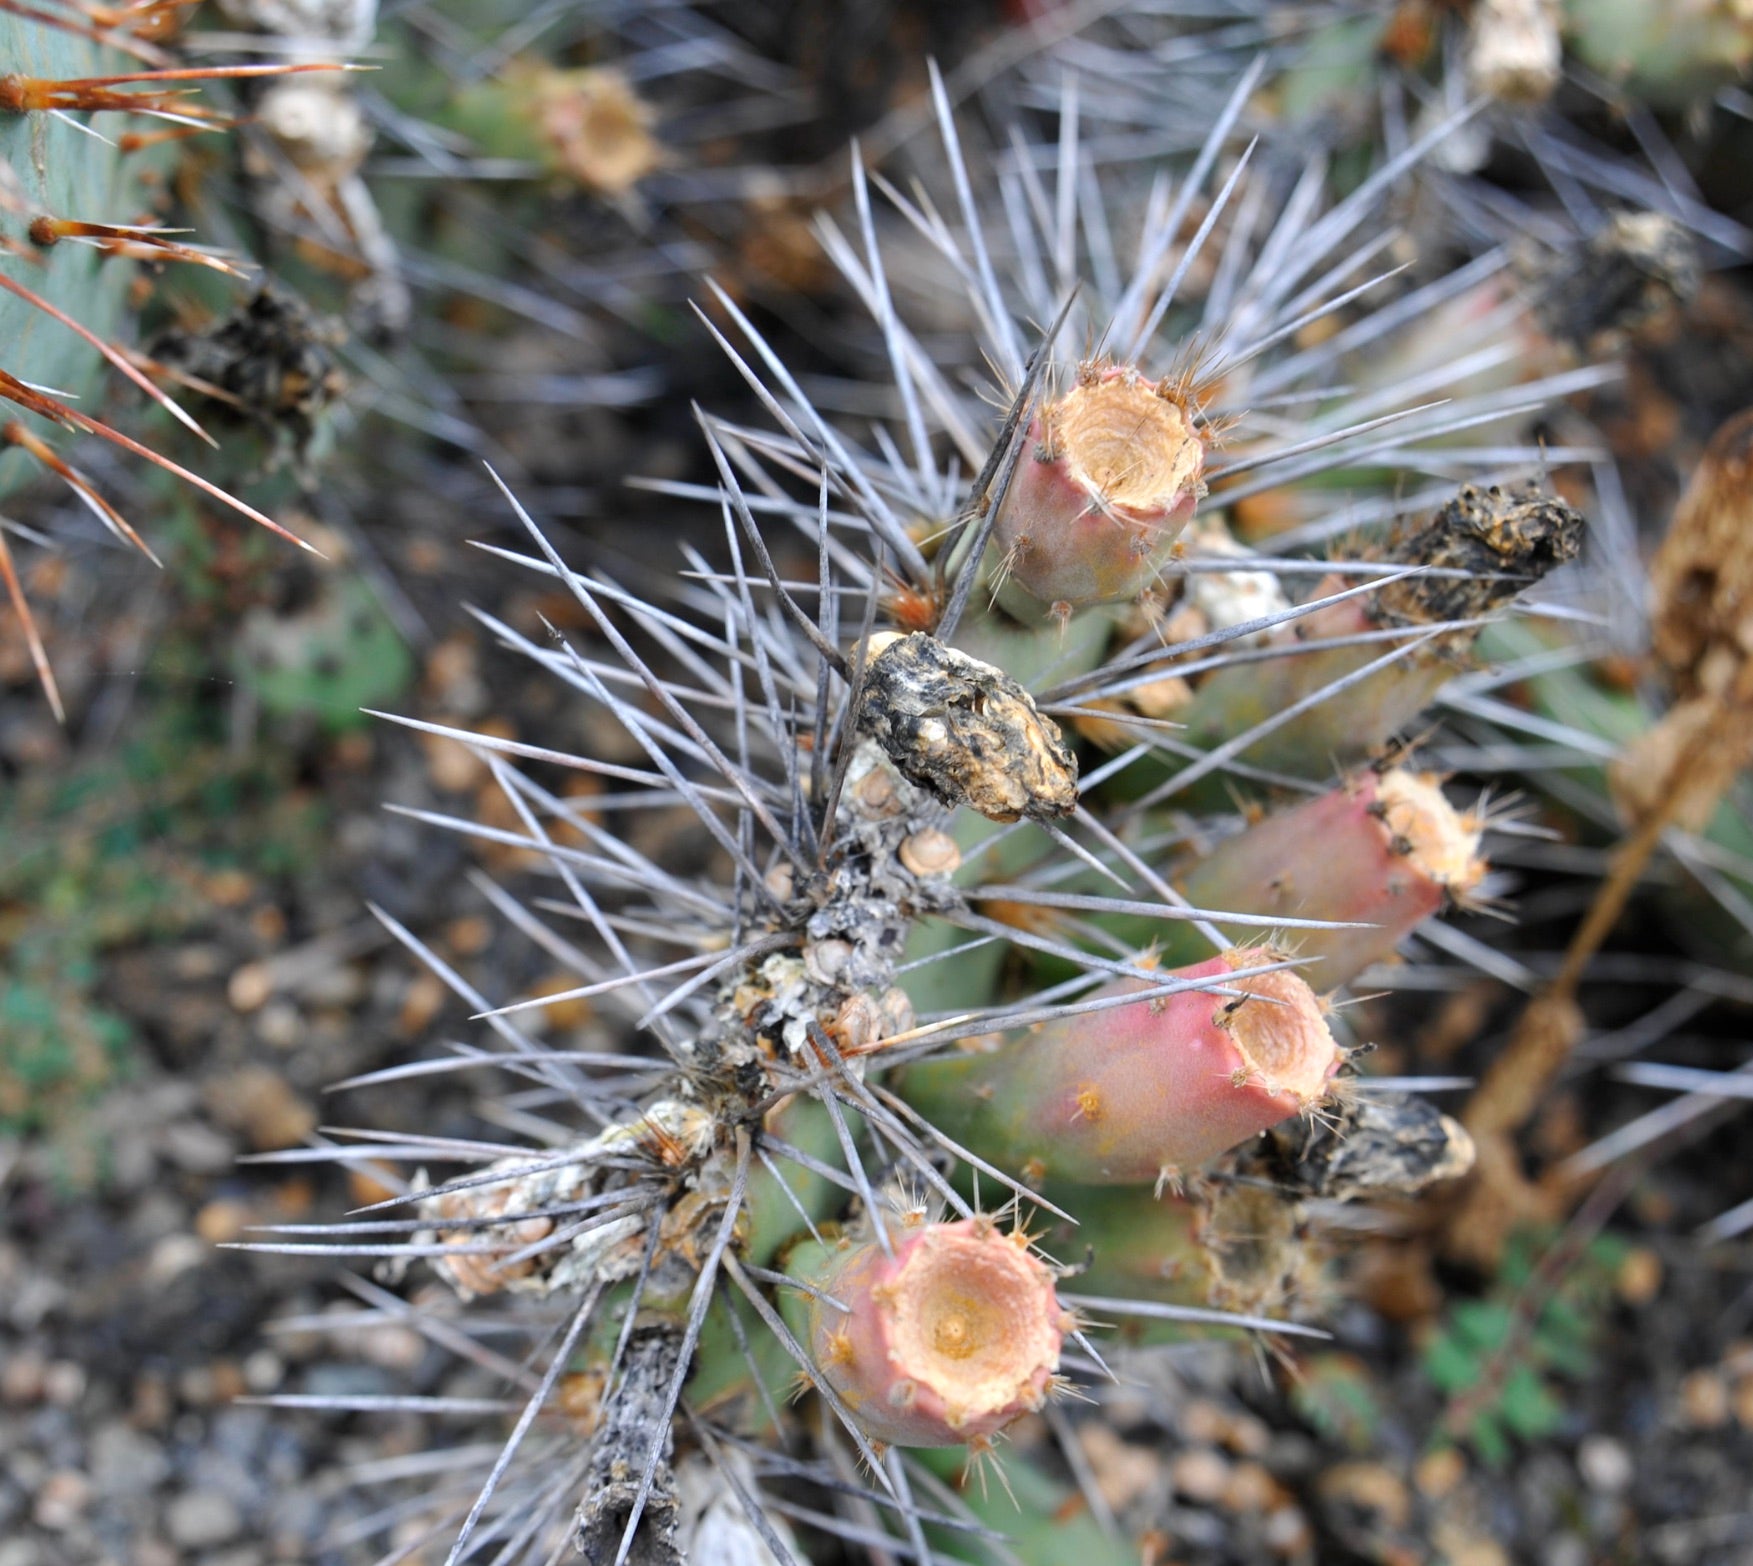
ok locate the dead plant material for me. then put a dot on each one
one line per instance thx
(1503, 539)
(965, 730)
(1702, 632)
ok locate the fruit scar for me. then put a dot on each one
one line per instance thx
(945, 1341)
(1143, 1092)
(1110, 474)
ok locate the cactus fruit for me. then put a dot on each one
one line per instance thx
(943, 1339)
(1110, 476)
(1383, 852)
(1148, 1090)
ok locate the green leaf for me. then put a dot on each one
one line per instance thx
(1451, 1364)
(1489, 1440)
(1528, 1406)
(1482, 1324)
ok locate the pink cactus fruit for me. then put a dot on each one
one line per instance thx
(1385, 850)
(1110, 475)
(1143, 1092)
(945, 1341)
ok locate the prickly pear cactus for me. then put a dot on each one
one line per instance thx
(957, 1000)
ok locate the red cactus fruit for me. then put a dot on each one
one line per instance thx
(1143, 1092)
(1385, 850)
(1110, 476)
(946, 1341)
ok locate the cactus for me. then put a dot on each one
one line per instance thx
(1145, 1091)
(1110, 477)
(882, 758)
(1382, 853)
(77, 200)
(1396, 648)
(48, 166)
(942, 1339)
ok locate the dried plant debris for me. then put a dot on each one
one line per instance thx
(1701, 633)
(1637, 269)
(1701, 579)
(271, 361)
(1367, 1147)
(965, 730)
(1503, 540)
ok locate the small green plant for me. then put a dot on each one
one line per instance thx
(107, 856)
(1504, 1360)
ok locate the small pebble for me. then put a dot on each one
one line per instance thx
(279, 1024)
(1287, 1532)
(1704, 1400)
(1639, 1279)
(197, 1148)
(64, 1383)
(60, 1500)
(1251, 1490)
(1605, 1465)
(1370, 1487)
(1439, 1472)
(174, 1255)
(1123, 1472)
(124, 1462)
(222, 1221)
(21, 1378)
(200, 1519)
(1200, 1475)
(263, 1371)
(263, 1105)
(250, 986)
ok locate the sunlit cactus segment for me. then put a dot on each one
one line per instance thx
(1109, 476)
(1140, 1093)
(1386, 850)
(944, 1341)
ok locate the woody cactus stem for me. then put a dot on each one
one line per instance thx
(1385, 852)
(1109, 477)
(1479, 551)
(1147, 1091)
(942, 1341)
